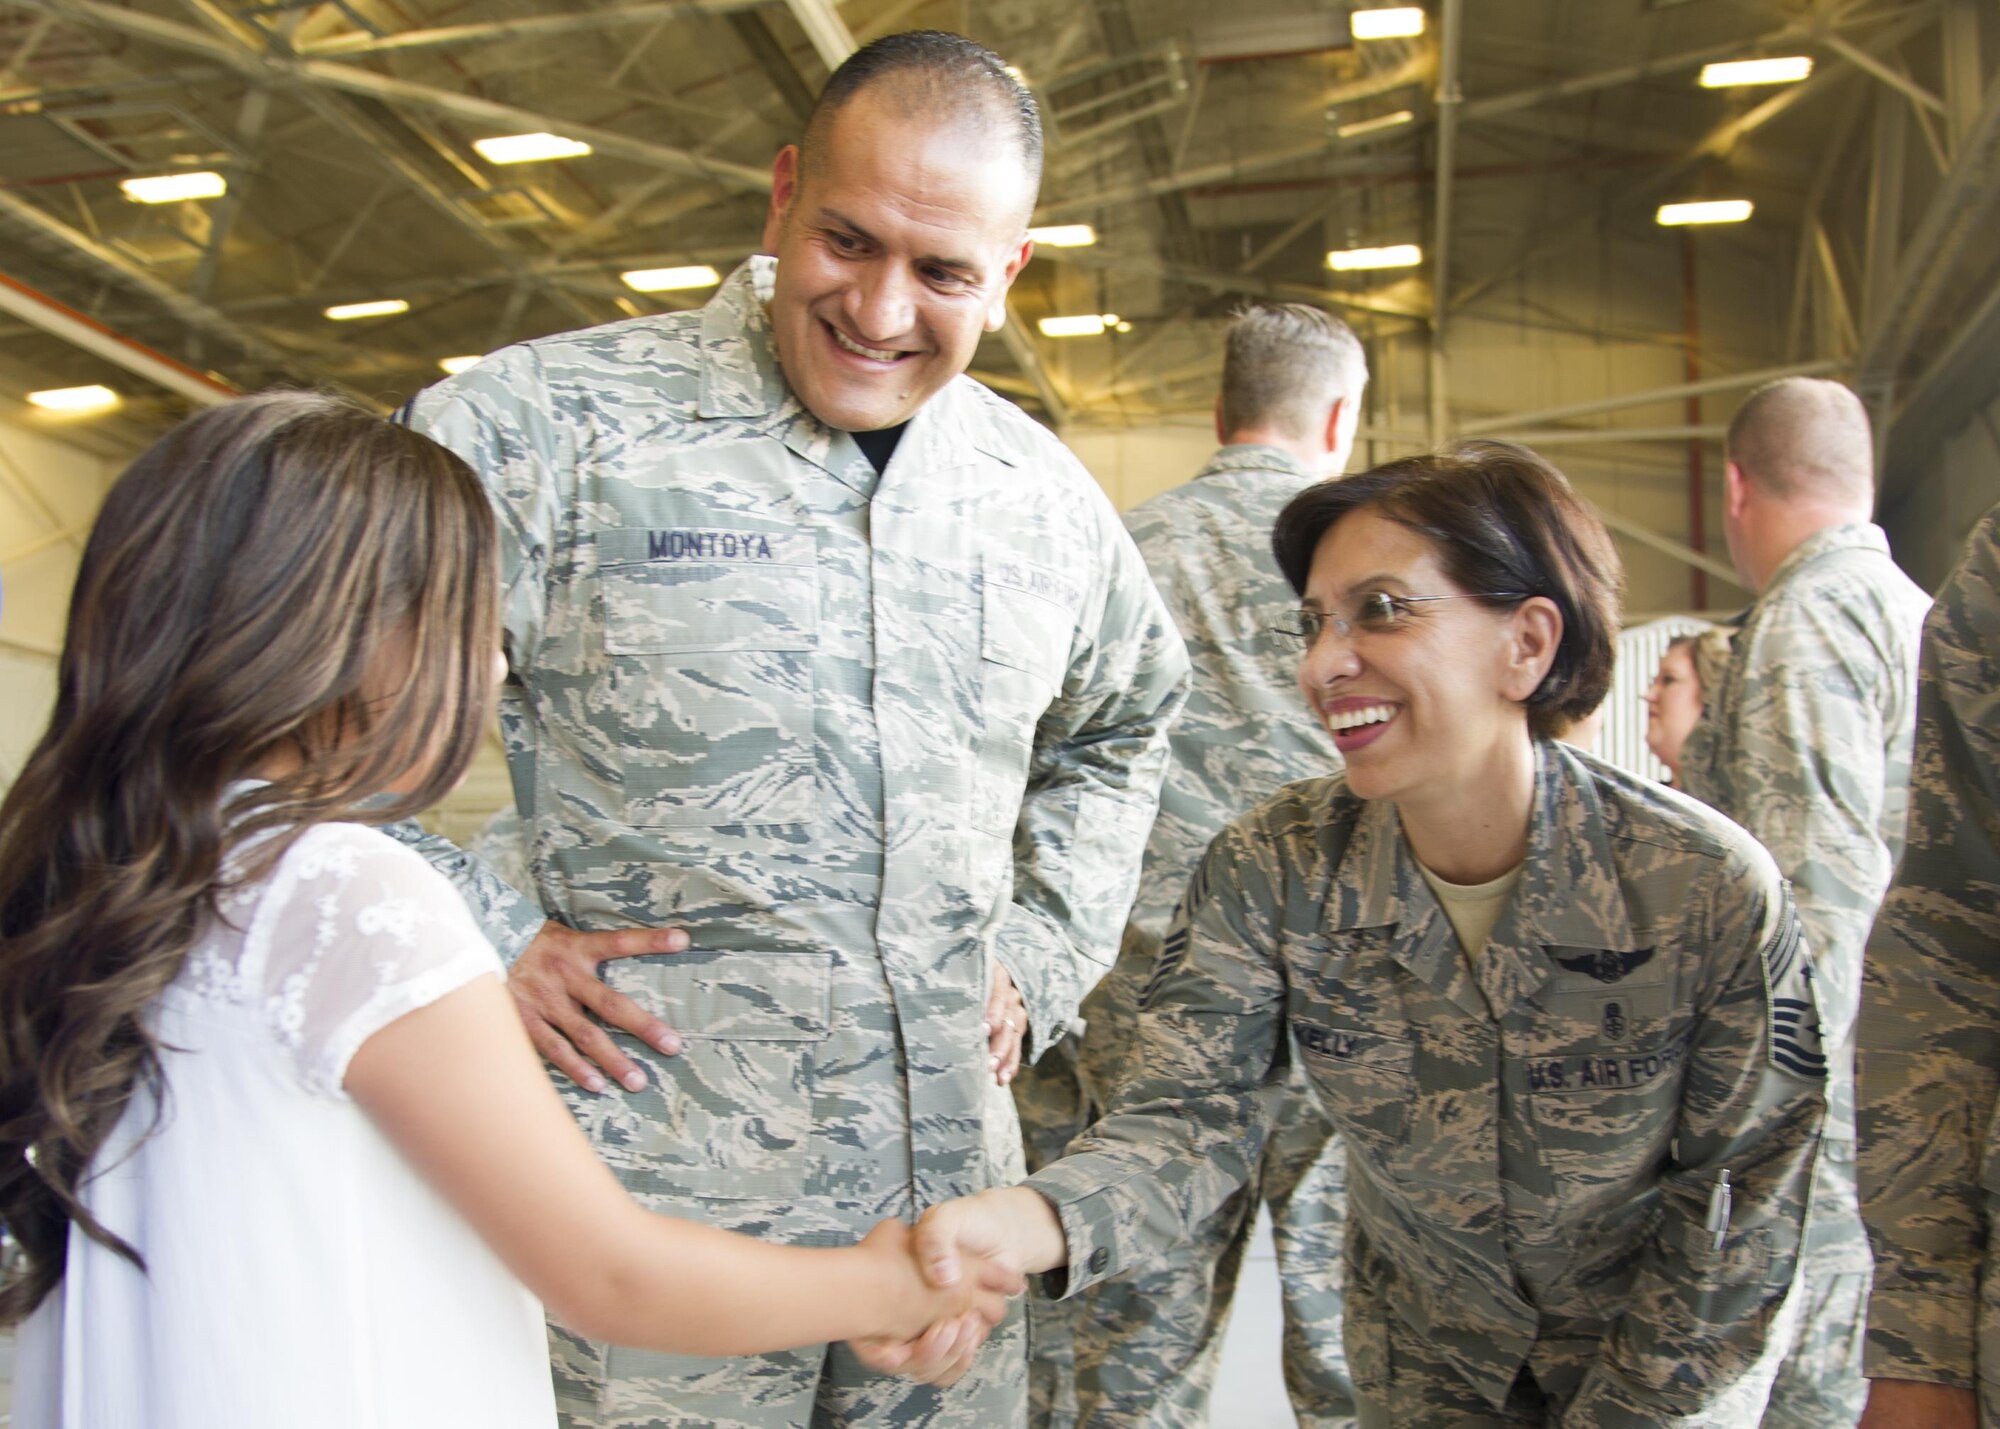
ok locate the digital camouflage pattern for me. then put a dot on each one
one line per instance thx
(858, 736)
(1930, 1021)
(1628, 1034)
(1805, 742)
(1146, 1346)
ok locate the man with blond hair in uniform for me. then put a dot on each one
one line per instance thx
(843, 665)
(1805, 741)
(1146, 1347)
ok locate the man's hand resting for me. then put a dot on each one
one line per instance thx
(556, 988)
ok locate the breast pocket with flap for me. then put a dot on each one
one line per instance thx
(711, 636)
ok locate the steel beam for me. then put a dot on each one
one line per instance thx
(828, 34)
(1495, 105)
(1519, 421)
(1451, 26)
(109, 263)
(360, 42)
(1962, 79)
(1612, 436)
(1930, 255)
(250, 117)
(1646, 536)
(1868, 64)
(1885, 210)
(60, 320)
(351, 79)
(1226, 282)
(1414, 70)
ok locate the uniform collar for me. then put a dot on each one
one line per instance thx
(741, 378)
(1255, 456)
(1569, 894)
(1855, 536)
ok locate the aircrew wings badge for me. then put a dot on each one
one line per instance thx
(1795, 1045)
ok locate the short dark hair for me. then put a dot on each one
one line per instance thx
(1503, 520)
(1804, 439)
(1284, 364)
(938, 71)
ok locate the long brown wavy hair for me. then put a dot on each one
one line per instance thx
(242, 578)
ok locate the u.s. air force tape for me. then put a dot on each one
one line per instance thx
(1795, 1044)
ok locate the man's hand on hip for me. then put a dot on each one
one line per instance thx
(1006, 1026)
(556, 987)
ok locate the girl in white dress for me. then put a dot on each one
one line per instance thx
(274, 1147)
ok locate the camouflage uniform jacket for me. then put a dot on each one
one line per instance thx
(1929, 1039)
(1806, 743)
(852, 732)
(1534, 1144)
(1245, 730)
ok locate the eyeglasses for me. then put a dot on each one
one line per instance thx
(1375, 613)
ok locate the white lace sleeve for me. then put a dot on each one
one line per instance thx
(353, 932)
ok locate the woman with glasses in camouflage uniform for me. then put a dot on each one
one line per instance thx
(1561, 1016)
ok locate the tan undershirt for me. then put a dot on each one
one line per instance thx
(1473, 907)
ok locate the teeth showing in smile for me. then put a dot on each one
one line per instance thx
(1355, 718)
(877, 353)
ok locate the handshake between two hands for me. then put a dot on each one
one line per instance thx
(957, 1268)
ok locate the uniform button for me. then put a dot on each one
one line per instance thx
(1099, 1259)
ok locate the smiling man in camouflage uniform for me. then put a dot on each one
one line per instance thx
(1146, 1347)
(843, 665)
(1805, 741)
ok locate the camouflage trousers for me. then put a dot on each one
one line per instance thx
(1819, 1383)
(1404, 1381)
(1140, 1351)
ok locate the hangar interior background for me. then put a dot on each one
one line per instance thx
(1523, 147)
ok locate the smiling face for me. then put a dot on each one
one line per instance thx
(896, 246)
(1419, 706)
(1673, 706)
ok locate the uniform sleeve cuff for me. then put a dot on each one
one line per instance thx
(1927, 1336)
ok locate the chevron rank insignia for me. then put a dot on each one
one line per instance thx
(1794, 1005)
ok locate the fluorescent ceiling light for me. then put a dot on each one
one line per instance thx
(1396, 255)
(94, 398)
(1788, 70)
(1394, 24)
(387, 307)
(1370, 126)
(456, 365)
(174, 188)
(1017, 74)
(671, 280)
(1064, 235)
(1721, 210)
(529, 148)
(1084, 325)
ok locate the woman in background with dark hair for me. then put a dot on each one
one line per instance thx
(275, 1147)
(1558, 1014)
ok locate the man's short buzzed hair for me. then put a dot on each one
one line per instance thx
(1804, 438)
(1284, 364)
(934, 71)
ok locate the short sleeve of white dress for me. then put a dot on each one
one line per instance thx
(354, 931)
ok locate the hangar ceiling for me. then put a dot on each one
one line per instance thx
(1218, 152)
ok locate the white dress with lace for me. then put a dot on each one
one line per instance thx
(300, 1275)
